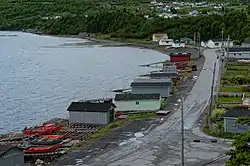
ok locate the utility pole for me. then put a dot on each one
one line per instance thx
(222, 39)
(228, 42)
(195, 38)
(173, 35)
(212, 93)
(199, 44)
(182, 134)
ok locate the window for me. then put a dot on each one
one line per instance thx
(137, 103)
(216, 44)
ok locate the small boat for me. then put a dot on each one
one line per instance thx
(185, 71)
(43, 129)
(52, 137)
(42, 149)
(46, 141)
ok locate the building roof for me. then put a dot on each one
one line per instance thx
(160, 35)
(147, 81)
(234, 113)
(129, 96)
(90, 106)
(5, 148)
(163, 74)
(239, 49)
(180, 54)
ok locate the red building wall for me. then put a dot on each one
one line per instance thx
(179, 58)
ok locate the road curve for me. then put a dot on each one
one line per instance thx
(161, 147)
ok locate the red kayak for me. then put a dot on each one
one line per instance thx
(43, 130)
(42, 149)
(185, 71)
(52, 137)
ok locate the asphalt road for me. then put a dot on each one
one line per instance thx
(161, 146)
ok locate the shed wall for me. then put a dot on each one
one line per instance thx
(163, 91)
(138, 105)
(89, 117)
(239, 55)
(231, 126)
(179, 58)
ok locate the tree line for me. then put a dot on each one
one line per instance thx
(90, 17)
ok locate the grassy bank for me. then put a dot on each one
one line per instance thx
(104, 130)
(235, 81)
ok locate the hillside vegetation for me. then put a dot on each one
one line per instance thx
(122, 19)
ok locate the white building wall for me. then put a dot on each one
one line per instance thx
(218, 44)
(89, 117)
(157, 38)
(166, 42)
(178, 45)
(239, 55)
(138, 105)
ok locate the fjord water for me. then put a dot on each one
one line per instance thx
(39, 77)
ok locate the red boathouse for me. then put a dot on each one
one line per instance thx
(180, 57)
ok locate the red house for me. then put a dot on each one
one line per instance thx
(180, 57)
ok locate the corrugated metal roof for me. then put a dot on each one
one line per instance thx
(237, 113)
(239, 49)
(89, 106)
(128, 96)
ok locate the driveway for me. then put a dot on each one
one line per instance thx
(161, 146)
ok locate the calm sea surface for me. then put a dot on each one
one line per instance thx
(39, 77)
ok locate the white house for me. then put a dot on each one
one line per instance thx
(216, 43)
(126, 102)
(179, 45)
(158, 37)
(239, 53)
(193, 13)
(166, 42)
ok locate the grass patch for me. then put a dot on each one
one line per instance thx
(164, 105)
(219, 133)
(104, 130)
(236, 72)
(142, 115)
(233, 89)
(217, 127)
(229, 99)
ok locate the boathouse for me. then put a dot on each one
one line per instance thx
(91, 112)
(127, 102)
(11, 156)
(180, 57)
(147, 85)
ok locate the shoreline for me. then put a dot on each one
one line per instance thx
(124, 43)
(83, 140)
(106, 43)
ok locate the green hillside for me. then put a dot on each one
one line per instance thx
(120, 18)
